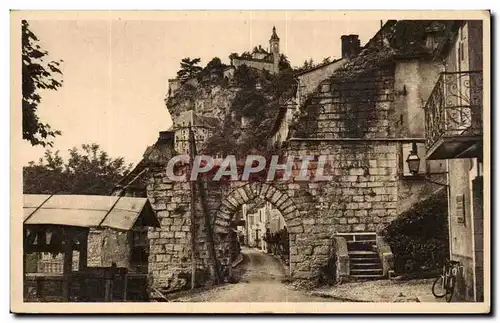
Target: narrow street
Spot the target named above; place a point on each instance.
(261, 280)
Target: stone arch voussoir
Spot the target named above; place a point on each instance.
(249, 191)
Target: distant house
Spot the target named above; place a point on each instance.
(202, 127)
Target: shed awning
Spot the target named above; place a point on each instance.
(90, 211)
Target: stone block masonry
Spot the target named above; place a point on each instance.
(363, 193)
(170, 245)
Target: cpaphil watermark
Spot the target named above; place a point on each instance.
(253, 167)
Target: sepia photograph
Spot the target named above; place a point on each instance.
(250, 161)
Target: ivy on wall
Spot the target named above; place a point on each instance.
(419, 236)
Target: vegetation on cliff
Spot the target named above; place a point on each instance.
(254, 110)
(254, 106)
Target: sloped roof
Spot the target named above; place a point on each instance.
(396, 39)
(88, 211)
(317, 67)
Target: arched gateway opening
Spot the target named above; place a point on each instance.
(258, 194)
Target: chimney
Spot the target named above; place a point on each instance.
(350, 45)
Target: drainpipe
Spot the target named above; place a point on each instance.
(448, 189)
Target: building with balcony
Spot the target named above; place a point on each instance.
(454, 134)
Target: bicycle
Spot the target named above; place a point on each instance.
(444, 285)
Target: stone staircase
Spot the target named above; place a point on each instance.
(363, 257)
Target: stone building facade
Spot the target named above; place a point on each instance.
(455, 137)
(202, 127)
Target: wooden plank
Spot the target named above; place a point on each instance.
(67, 264)
(82, 264)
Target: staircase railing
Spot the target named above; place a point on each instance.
(342, 258)
(386, 257)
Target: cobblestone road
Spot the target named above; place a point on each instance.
(260, 281)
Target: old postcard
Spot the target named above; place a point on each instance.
(250, 161)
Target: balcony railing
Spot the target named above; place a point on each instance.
(453, 111)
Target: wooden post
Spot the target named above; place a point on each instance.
(193, 209)
(67, 264)
(125, 285)
(109, 287)
(25, 289)
(208, 224)
(82, 264)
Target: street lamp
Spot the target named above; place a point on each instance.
(413, 160)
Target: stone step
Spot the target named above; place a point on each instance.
(361, 265)
(362, 254)
(371, 242)
(366, 271)
(360, 246)
(364, 259)
(367, 276)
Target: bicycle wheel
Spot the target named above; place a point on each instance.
(438, 289)
(450, 289)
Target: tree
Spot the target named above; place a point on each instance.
(37, 74)
(245, 77)
(233, 56)
(89, 171)
(189, 69)
(246, 55)
(215, 67)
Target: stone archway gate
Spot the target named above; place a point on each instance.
(170, 247)
(362, 197)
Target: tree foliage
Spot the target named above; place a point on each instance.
(37, 74)
(246, 55)
(87, 171)
(189, 69)
(212, 73)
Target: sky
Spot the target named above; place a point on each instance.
(116, 70)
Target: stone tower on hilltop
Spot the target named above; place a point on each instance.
(274, 47)
(261, 59)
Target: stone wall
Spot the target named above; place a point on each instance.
(309, 81)
(260, 65)
(360, 107)
(363, 194)
(170, 264)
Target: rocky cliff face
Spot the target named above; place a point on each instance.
(210, 101)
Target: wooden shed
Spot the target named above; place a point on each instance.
(61, 224)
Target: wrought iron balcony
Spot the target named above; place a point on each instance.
(453, 116)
